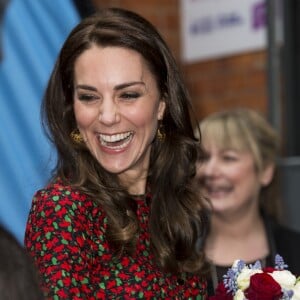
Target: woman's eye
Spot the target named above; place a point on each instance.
(205, 158)
(229, 158)
(130, 95)
(86, 97)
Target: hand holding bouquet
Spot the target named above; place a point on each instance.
(252, 282)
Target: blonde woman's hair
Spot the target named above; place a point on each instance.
(245, 129)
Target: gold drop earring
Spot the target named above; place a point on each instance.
(161, 135)
(76, 136)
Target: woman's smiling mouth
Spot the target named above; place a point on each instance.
(116, 141)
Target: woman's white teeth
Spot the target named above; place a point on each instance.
(116, 141)
(218, 189)
(114, 138)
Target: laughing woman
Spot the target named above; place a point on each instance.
(121, 217)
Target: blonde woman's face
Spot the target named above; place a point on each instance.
(229, 179)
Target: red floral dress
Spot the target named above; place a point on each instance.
(65, 235)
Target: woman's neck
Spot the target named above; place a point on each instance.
(242, 238)
(134, 182)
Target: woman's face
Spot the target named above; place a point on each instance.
(117, 106)
(230, 180)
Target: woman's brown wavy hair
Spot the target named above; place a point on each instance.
(178, 220)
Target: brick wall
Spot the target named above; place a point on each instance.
(214, 85)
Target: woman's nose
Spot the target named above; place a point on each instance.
(211, 167)
(109, 112)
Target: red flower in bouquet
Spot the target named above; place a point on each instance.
(263, 287)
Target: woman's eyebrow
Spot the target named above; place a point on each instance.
(116, 88)
(85, 87)
(128, 84)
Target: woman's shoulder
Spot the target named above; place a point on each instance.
(59, 196)
(58, 190)
(283, 231)
(280, 231)
(286, 234)
(60, 206)
(287, 244)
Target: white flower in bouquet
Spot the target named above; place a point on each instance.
(239, 295)
(243, 279)
(296, 290)
(285, 278)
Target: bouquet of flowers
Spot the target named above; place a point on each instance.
(252, 282)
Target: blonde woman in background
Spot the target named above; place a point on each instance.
(239, 176)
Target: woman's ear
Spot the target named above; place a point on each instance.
(161, 109)
(267, 174)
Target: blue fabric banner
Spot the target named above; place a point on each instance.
(33, 33)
